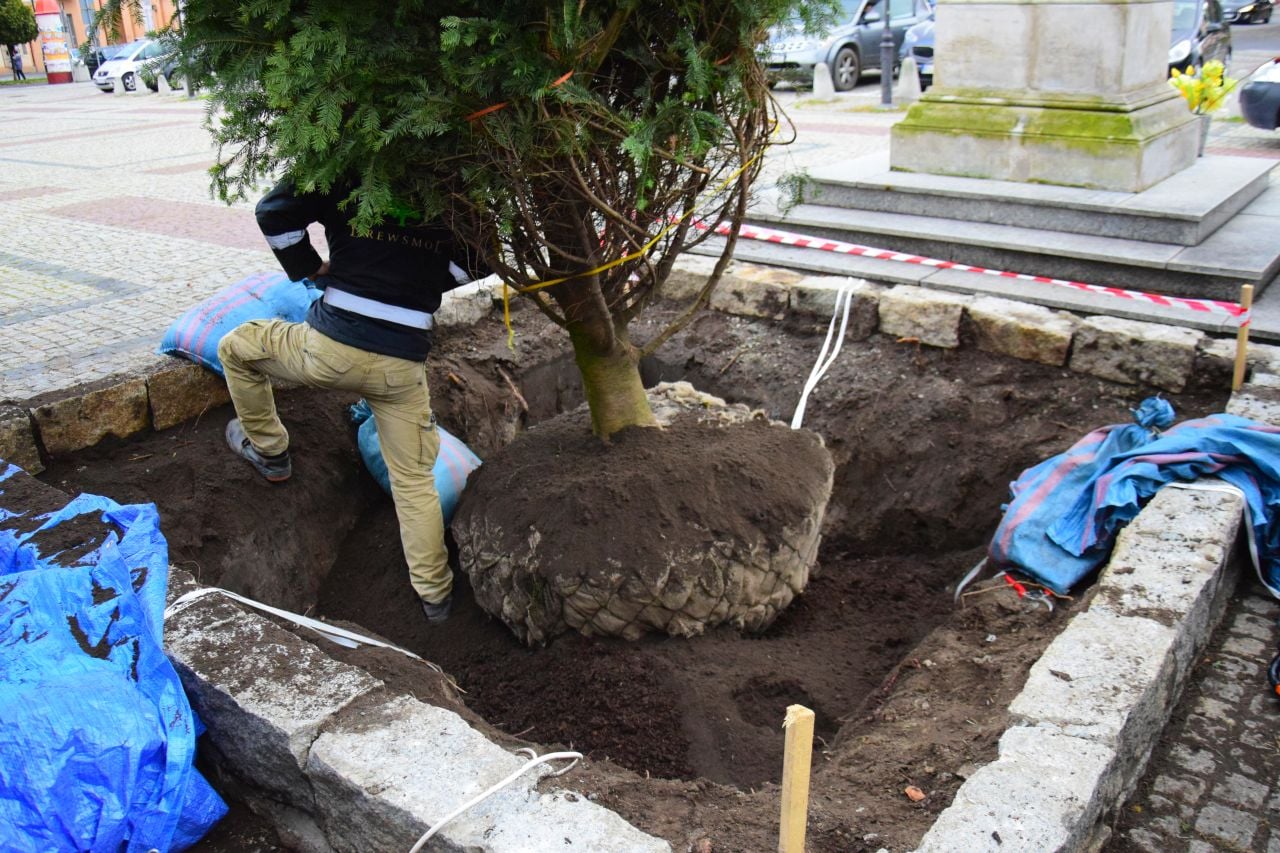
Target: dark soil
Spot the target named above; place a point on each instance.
(684, 735)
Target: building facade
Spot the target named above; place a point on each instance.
(77, 17)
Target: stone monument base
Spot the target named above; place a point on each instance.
(1074, 143)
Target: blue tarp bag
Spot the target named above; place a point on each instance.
(454, 463)
(263, 296)
(1066, 511)
(97, 737)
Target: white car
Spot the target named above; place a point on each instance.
(125, 67)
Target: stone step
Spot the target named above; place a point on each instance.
(1183, 209)
(1243, 251)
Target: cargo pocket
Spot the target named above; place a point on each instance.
(428, 440)
(325, 365)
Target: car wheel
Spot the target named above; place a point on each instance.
(174, 79)
(846, 70)
(129, 81)
(1267, 19)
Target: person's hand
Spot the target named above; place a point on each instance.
(324, 270)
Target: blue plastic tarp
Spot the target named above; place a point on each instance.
(97, 737)
(454, 463)
(1066, 511)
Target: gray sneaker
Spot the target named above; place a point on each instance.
(437, 613)
(275, 468)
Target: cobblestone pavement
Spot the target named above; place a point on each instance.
(1214, 779)
(110, 233)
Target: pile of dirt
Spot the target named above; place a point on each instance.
(684, 734)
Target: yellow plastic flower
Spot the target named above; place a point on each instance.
(1205, 89)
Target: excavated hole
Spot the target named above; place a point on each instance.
(709, 707)
(925, 443)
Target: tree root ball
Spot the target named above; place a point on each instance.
(712, 519)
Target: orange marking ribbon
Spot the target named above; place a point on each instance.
(493, 108)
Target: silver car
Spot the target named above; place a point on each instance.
(848, 48)
(124, 67)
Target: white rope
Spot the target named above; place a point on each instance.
(341, 636)
(1248, 522)
(972, 573)
(844, 298)
(550, 756)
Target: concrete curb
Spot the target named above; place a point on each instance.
(357, 765)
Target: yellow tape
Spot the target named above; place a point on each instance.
(638, 253)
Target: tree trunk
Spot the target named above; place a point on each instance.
(611, 383)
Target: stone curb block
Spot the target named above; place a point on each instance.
(384, 775)
(1096, 701)
(930, 316)
(755, 291)
(467, 305)
(374, 769)
(179, 390)
(1039, 795)
(262, 716)
(1019, 330)
(82, 421)
(815, 296)
(688, 275)
(18, 440)
(1135, 352)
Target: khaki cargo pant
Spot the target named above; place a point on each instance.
(401, 402)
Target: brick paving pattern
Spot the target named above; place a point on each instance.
(109, 231)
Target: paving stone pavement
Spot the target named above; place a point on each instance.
(110, 232)
(1213, 782)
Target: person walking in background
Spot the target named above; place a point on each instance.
(15, 59)
(370, 333)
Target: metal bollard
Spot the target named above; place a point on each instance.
(886, 64)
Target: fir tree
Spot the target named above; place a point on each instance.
(585, 144)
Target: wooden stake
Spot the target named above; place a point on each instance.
(1242, 337)
(796, 759)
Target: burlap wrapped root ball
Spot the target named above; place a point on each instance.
(713, 519)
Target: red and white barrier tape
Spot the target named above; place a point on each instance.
(786, 238)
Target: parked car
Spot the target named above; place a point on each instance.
(1260, 97)
(1200, 34)
(125, 66)
(848, 48)
(1247, 11)
(96, 57)
(918, 44)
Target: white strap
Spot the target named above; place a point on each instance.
(341, 636)
(377, 310)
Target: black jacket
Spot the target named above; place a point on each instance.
(400, 265)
